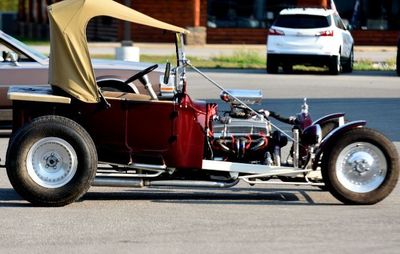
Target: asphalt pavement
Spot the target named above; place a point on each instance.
(243, 219)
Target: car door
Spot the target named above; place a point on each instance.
(24, 71)
(347, 40)
(150, 125)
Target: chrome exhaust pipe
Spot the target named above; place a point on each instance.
(138, 183)
(192, 184)
(107, 181)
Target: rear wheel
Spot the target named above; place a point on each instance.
(272, 66)
(51, 161)
(335, 66)
(287, 68)
(398, 60)
(361, 167)
(348, 66)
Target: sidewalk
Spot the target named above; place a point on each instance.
(373, 53)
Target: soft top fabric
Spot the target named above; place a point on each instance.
(70, 67)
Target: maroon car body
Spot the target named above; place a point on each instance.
(31, 67)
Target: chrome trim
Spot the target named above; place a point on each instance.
(128, 175)
(138, 183)
(180, 183)
(118, 182)
(260, 116)
(361, 167)
(296, 148)
(51, 162)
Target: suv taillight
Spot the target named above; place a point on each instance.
(326, 33)
(275, 32)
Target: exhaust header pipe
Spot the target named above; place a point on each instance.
(138, 183)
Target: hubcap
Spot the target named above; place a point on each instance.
(52, 162)
(361, 167)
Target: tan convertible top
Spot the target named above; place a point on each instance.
(70, 66)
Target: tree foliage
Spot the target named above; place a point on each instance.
(8, 5)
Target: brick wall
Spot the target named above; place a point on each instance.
(176, 12)
(313, 3)
(258, 36)
(236, 35)
(375, 37)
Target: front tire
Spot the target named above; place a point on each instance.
(51, 161)
(361, 167)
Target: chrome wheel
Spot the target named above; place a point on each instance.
(52, 162)
(361, 167)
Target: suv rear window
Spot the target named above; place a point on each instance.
(302, 21)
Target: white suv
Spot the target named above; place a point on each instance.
(309, 36)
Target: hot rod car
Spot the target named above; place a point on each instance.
(71, 135)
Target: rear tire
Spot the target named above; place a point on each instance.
(398, 60)
(51, 161)
(361, 167)
(335, 65)
(272, 66)
(287, 68)
(348, 66)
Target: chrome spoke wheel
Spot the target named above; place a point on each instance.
(51, 162)
(361, 167)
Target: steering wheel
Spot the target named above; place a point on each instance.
(141, 73)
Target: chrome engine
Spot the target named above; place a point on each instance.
(240, 135)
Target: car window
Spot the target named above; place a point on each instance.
(302, 21)
(5, 54)
(338, 22)
(23, 47)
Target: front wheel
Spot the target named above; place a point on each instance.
(51, 161)
(361, 167)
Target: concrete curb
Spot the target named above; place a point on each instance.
(373, 53)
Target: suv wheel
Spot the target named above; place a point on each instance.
(348, 66)
(398, 60)
(272, 67)
(334, 65)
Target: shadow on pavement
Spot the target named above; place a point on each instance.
(239, 196)
(10, 198)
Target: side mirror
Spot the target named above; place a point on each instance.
(167, 73)
(349, 27)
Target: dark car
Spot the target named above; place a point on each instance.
(23, 65)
